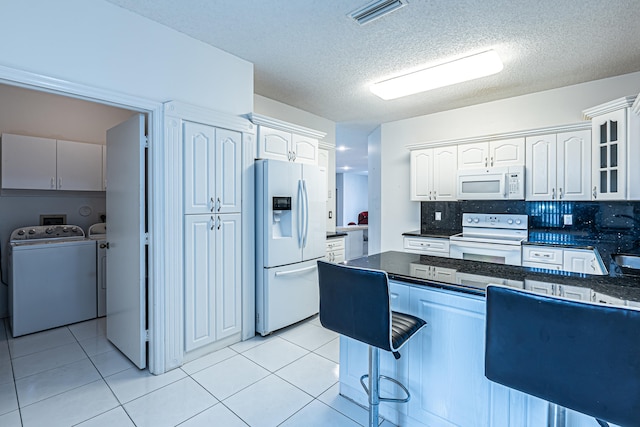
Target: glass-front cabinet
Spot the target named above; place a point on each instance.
(615, 128)
(608, 153)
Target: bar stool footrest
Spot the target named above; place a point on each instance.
(387, 399)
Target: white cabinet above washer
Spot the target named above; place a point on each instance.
(33, 163)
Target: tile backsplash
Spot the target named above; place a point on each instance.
(591, 221)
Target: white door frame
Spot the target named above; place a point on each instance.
(159, 221)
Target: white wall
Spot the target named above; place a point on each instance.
(353, 194)
(553, 107)
(278, 110)
(374, 155)
(101, 45)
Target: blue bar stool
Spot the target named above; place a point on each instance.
(578, 355)
(355, 302)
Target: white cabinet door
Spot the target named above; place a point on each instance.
(473, 156)
(79, 166)
(609, 146)
(540, 174)
(304, 149)
(445, 160)
(575, 292)
(199, 284)
(507, 152)
(228, 280)
(199, 173)
(421, 174)
(274, 144)
(581, 261)
(446, 361)
(228, 158)
(28, 162)
(574, 165)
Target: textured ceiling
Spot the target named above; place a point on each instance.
(310, 55)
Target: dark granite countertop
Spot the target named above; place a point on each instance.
(431, 233)
(473, 277)
(332, 234)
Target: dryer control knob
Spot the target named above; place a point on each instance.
(49, 230)
(476, 220)
(518, 222)
(509, 221)
(32, 231)
(21, 233)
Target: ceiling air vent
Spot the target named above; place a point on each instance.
(375, 10)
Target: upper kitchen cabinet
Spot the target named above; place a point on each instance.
(495, 153)
(284, 141)
(79, 166)
(433, 173)
(28, 162)
(212, 169)
(615, 130)
(558, 166)
(32, 163)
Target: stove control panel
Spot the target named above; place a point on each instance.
(508, 221)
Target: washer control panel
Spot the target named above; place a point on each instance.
(48, 232)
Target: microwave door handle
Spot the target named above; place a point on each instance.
(505, 183)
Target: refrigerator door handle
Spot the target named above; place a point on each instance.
(306, 214)
(300, 214)
(298, 271)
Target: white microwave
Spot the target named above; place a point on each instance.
(502, 183)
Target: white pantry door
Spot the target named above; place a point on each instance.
(126, 293)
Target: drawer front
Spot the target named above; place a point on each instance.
(541, 254)
(424, 245)
(335, 244)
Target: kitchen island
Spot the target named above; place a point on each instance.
(443, 366)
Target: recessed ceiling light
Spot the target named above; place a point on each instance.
(346, 168)
(342, 148)
(461, 70)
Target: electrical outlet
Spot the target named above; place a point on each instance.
(438, 216)
(567, 219)
(330, 214)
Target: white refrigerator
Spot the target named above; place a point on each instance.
(290, 238)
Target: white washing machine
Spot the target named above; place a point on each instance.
(52, 278)
(98, 232)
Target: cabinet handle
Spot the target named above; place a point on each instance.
(553, 193)
(595, 193)
(486, 162)
(491, 160)
(219, 222)
(60, 182)
(593, 264)
(435, 193)
(559, 193)
(53, 183)
(293, 153)
(429, 195)
(213, 222)
(219, 204)
(212, 204)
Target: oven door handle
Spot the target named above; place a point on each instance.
(486, 246)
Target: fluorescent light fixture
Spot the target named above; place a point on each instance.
(468, 68)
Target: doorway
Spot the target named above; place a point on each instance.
(73, 115)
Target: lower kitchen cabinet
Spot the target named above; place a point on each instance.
(212, 278)
(433, 246)
(335, 249)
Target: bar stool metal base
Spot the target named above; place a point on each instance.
(373, 390)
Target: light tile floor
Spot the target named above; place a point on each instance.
(73, 376)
